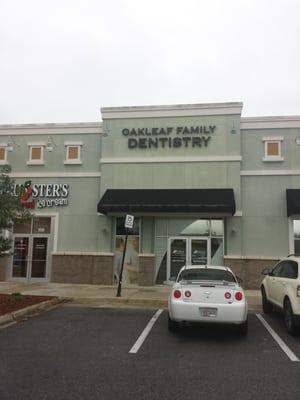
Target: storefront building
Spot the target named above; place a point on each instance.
(204, 185)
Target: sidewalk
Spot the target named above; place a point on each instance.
(105, 296)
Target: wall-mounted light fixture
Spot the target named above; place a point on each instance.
(50, 144)
(11, 144)
(106, 128)
(233, 130)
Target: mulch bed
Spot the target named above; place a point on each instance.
(10, 303)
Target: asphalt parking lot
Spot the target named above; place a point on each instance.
(81, 353)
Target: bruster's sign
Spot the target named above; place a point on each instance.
(169, 137)
(42, 195)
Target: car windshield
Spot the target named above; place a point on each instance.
(206, 274)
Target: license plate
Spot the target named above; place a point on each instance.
(208, 312)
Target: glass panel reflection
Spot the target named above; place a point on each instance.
(41, 225)
(199, 252)
(177, 255)
(39, 257)
(20, 257)
(297, 237)
(121, 230)
(217, 253)
(217, 227)
(198, 227)
(24, 227)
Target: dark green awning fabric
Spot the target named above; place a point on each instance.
(160, 201)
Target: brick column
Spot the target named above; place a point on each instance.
(146, 269)
(249, 269)
(84, 268)
(4, 260)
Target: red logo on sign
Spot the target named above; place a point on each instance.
(26, 195)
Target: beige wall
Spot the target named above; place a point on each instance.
(249, 270)
(84, 269)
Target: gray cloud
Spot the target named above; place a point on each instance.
(62, 60)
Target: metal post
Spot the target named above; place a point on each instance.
(122, 266)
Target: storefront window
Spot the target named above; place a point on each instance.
(217, 227)
(297, 237)
(200, 227)
(211, 233)
(217, 251)
(121, 230)
(36, 225)
(41, 225)
(23, 228)
(161, 227)
(130, 270)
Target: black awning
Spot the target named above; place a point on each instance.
(159, 201)
(293, 202)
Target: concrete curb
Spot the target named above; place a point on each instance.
(125, 302)
(27, 311)
(115, 302)
(6, 319)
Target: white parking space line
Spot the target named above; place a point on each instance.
(135, 348)
(279, 341)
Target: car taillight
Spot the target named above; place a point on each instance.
(227, 295)
(298, 291)
(187, 293)
(177, 294)
(238, 296)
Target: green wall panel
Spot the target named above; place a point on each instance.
(265, 236)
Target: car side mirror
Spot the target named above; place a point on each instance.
(266, 271)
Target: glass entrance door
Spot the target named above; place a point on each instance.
(186, 251)
(39, 257)
(198, 251)
(177, 255)
(30, 257)
(20, 257)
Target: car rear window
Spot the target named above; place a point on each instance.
(206, 274)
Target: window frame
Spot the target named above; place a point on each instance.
(272, 139)
(293, 237)
(4, 147)
(41, 160)
(78, 160)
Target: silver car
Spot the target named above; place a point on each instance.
(209, 294)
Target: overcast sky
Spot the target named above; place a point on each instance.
(61, 60)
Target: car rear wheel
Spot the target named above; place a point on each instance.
(243, 328)
(267, 306)
(289, 320)
(173, 326)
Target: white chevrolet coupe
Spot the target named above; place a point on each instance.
(207, 294)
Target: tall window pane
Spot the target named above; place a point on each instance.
(297, 237)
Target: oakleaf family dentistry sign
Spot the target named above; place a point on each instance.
(42, 195)
(169, 137)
